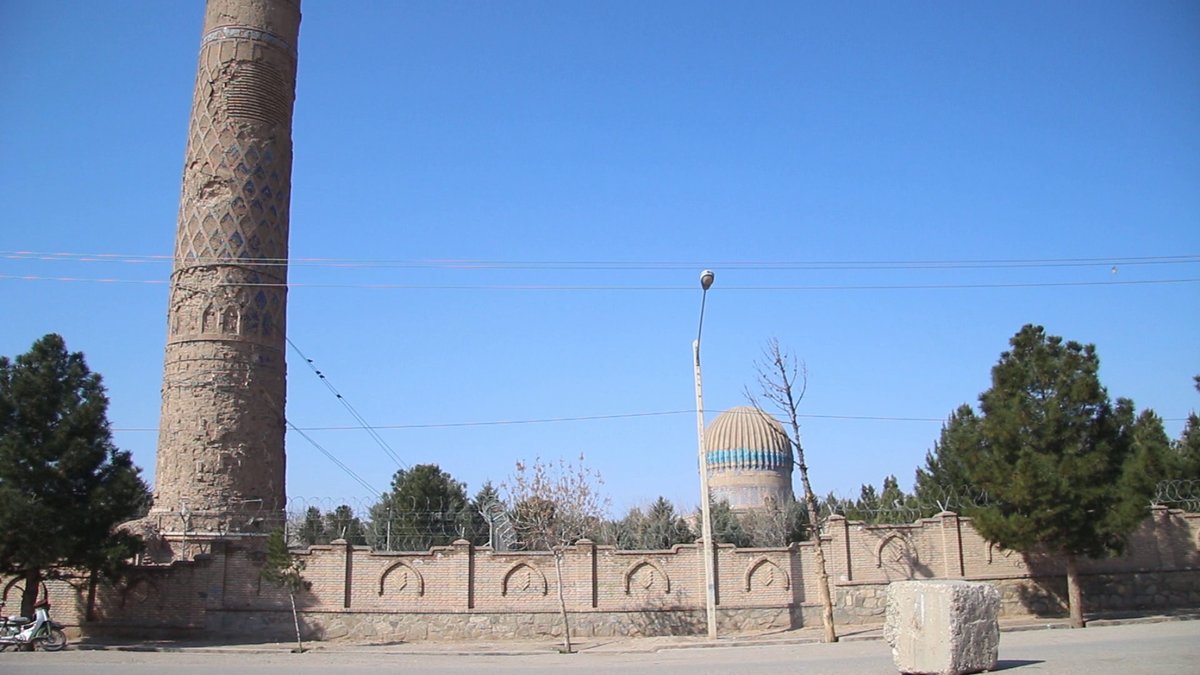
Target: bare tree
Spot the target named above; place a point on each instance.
(775, 523)
(554, 506)
(782, 381)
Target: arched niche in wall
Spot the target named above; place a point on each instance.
(523, 579)
(645, 574)
(229, 320)
(768, 573)
(1005, 553)
(139, 591)
(15, 588)
(895, 551)
(404, 577)
(208, 319)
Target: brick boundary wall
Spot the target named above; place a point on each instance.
(464, 592)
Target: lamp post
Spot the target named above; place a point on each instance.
(710, 592)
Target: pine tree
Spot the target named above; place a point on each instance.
(287, 572)
(888, 505)
(944, 483)
(1052, 455)
(726, 525)
(1150, 459)
(1187, 450)
(424, 508)
(484, 507)
(64, 486)
(341, 523)
(1187, 447)
(312, 530)
(659, 528)
(665, 527)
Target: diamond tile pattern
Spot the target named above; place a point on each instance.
(224, 379)
(234, 203)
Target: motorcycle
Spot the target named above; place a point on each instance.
(38, 633)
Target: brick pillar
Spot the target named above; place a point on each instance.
(348, 572)
(587, 547)
(839, 547)
(952, 553)
(1169, 554)
(220, 465)
(465, 551)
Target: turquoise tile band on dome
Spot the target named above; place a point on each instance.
(749, 459)
(754, 459)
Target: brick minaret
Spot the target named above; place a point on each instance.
(220, 445)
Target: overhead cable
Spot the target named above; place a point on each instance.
(637, 288)
(592, 265)
(333, 459)
(363, 425)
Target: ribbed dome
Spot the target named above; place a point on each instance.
(746, 428)
(749, 459)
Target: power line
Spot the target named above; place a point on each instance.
(492, 423)
(333, 459)
(584, 418)
(635, 288)
(363, 425)
(592, 265)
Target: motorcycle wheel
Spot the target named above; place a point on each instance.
(54, 641)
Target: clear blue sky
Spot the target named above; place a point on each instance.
(773, 142)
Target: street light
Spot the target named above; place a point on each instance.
(710, 593)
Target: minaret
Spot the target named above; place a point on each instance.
(220, 466)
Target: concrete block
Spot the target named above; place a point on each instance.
(943, 627)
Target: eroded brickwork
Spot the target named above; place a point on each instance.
(221, 435)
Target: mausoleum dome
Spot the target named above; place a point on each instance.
(746, 428)
(749, 458)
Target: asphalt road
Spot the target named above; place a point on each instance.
(1159, 648)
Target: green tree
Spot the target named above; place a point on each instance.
(892, 496)
(888, 505)
(341, 523)
(312, 530)
(834, 504)
(1187, 447)
(659, 527)
(286, 571)
(424, 508)
(64, 486)
(945, 484)
(1150, 459)
(727, 525)
(1052, 455)
(486, 516)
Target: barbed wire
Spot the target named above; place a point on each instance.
(1179, 494)
(416, 524)
(905, 508)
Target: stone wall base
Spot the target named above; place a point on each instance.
(417, 627)
(1047, 596)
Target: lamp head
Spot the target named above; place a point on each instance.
(706, 279)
